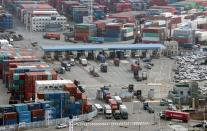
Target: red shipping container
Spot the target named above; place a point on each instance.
(30, 79)
(71, 88)
(10, 116)
(78, 95)
(159, 2)
(38, 113)
(183, 40)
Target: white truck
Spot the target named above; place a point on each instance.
(117, 99)
(123, 111)
(107, 111)
(83, 61)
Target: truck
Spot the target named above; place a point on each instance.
(83, 61)
(118, 100)
(107, 111)
(51, 35)
(66, 65)
(113, 104)
(144, 75)
(147, 107)
(124, 111)
(117, 114)
(168, 114)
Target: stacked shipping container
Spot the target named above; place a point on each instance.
(184, 37)
(84, 31)
(153, 35)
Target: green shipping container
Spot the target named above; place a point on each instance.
(151, 34)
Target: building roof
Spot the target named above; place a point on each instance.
(93, 47)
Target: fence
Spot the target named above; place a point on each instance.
(47, 123)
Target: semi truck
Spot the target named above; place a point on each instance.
(107, 111)
(117, 114)
(168, 114)
(123, 111)
(113, 104)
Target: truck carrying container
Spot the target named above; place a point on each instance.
(168, 114)
(117, 99)
(124, 111)
(113, 104)
(107, 111)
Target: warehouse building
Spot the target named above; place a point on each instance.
(92, 51)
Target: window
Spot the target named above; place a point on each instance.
(189, 93)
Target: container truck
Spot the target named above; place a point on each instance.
(113, 104)
(117, 99)
(167, 114)
(66, 65)
(107, 111)
(123, 111)
(117, 114)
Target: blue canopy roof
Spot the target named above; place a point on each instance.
(93, 47)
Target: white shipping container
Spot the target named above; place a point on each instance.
(129, 34)
(151, 38)
(51, 84)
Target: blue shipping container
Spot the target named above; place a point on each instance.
(7, 108)
(33, 106)
(45, 104)
(21, 107)
(24, 116)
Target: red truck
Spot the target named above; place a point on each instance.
(52, 35)
(168, 114)
(113, 104)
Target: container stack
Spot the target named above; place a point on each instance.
(138, 5)
(123, 7)
(68, 8)
(31, 77)
(20, 68)
(6, 21)
(100, 25)
(153, 35)
(84, 31)
(24, 115)
(184, 37)
(78, 12)
(127, 33)
(8, 115)
(113, 32)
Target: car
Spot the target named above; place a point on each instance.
(88, 119)
(61, 126)
(148, 66)
(146, 59)
(150, 110)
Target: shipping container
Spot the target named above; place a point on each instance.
(24, 117)
(33, 106)
(7, 108)
(21, 107)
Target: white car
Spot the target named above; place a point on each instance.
(61, 126)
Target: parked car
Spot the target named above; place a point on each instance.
(61, 126)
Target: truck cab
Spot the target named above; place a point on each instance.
(66, 65)
(145, 105)
(83, 61)
(107, 111)
(117, 114)
(124, 111)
